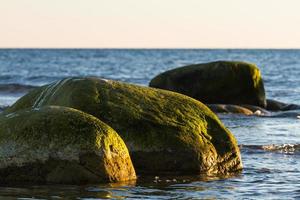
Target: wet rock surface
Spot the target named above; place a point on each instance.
(55, 144)
(165, 132)
(221, 82)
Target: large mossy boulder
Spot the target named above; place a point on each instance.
(165, 132)
(60, 145)
(221, 82)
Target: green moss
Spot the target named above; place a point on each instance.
(221, 82)
(178, 132)
(35, 138)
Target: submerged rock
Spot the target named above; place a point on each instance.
(224, 108)
(238, 109)
(274, 105)
(60, 145)
(165, 132)
(256, 109)
(294, 114)
(221, 82)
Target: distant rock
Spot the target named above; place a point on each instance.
(165, 132)
(221, 82)
(274, 105)
(15, 88)
(257, 110)
(294, 114)
(60, 145)
(236, 109)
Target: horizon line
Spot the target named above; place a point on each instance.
(162, 48)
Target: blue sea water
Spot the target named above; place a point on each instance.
(270, 146)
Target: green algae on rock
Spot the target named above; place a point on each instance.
(165, 132)
(221, 82)
(61, 145)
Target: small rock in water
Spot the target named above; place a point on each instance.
(258, 112)
(298, 117)
(156, 179)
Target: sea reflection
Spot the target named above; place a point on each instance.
(150, 187)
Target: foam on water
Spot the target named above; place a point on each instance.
(277, 148)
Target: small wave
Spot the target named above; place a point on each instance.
(280, 148)
(15, 88)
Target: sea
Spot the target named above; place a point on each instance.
(270, 146)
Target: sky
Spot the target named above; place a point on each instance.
(149, 24)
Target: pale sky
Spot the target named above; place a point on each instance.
(150, 23)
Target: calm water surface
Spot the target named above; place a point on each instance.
(270, 146)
